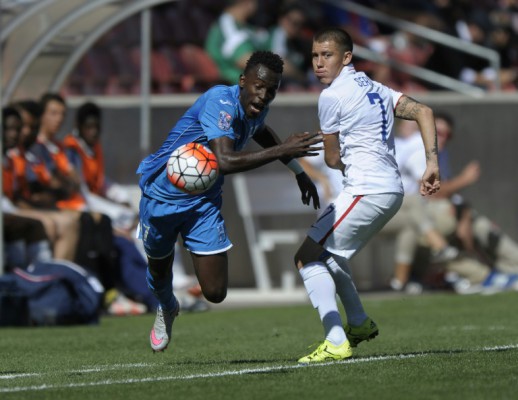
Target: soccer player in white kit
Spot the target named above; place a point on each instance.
(356, 117)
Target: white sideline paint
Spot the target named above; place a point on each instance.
(245, 371)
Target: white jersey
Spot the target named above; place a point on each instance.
(411, 160)
(362, 111)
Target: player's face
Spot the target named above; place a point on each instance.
(258, 89)
(90, 130)
(52, 117)
(328, 61)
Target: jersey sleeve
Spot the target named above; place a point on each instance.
(395, 96)
(329, 113)
(217, 117)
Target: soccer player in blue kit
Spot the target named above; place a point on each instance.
(356, 117)
(224, 118)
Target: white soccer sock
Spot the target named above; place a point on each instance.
(322, 293)
(346, 290)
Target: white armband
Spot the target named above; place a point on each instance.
(295, 167)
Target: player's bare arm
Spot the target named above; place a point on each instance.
(231, 161)
(332, 152)
(408, 108)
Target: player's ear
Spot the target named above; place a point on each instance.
(348, 56)
(242, 81)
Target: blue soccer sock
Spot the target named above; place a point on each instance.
(346, 290)
(163, 291)
(322, 293)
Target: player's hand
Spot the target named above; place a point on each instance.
(303, 144)
(431, 181)
(308, 190)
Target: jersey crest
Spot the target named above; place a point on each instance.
(224, 120)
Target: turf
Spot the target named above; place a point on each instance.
(440, 346)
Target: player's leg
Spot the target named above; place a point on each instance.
(205, 237)
(160, 282)
(158, 229)
(159, 278)
(343, 233)
(321, 290)
(212, 273)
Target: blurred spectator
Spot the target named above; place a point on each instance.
(24, 238)
(230, 41)
(84, 150)
(64, 180)
(287, 39)
(488, 258)
(95, 249)
(61, 227)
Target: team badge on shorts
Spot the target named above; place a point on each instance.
(224, 120)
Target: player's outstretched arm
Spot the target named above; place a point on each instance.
(231, 161)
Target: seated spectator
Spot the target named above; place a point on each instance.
(84, 150)
(476, 235)
(54, 184)
(287, 39)
(61, 227)
(230, 41)
(485, 252)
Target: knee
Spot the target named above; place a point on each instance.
(215, 294)
(309, 251)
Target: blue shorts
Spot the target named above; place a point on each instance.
(202, 227)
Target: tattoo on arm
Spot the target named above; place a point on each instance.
(433, 153)
(407, 108)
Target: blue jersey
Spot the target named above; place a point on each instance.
(215, 114)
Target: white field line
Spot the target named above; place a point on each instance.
(245, 371)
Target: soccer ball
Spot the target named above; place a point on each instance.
(192, 168)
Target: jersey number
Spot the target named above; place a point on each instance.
(372, 98)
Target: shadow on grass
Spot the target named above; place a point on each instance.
(292, 361)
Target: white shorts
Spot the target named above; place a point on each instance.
(348, 223)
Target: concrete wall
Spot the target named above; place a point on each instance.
(486, 130)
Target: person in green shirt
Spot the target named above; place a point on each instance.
(230, 40)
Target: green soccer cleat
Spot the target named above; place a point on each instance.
(328, 352)
(366, 331)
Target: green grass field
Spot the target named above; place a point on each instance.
(440, 346)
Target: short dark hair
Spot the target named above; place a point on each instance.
(337, 35)
(48, 97)
(270, 60)
(9, 111)
(86, 110)
(29, 105)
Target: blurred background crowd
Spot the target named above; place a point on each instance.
(186, 56)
